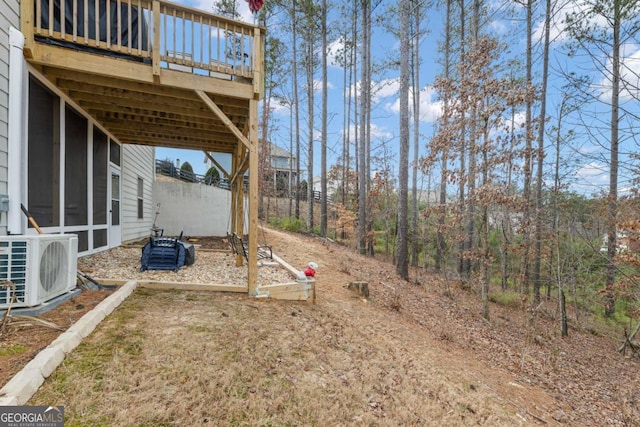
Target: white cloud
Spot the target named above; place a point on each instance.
(317, 85)
(379, 90)
(629, 74)
(380, 132)
(279, 108)
(204, 5)
(430, 110)
(377, 132)
(209, 6)
(588, 149)
(498, 27)
(591, 178)
(384, 89)
(519, 119)
(335, 49)
(558, 31)
(593, 173)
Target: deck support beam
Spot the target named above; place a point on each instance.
(237, 200)
(223, 117)
(215, 162)
(253, 198)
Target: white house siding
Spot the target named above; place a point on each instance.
(137, 162)
(9, 17)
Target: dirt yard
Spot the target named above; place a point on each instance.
(412, 354)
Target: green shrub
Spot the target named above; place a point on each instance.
(186, 166)
(290, 224)
(507, 299)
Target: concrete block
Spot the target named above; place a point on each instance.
(47, 360)
(89, 321)
(114, 300)
(67, 341)
(23, 385)
(8, 401)
(85, 325)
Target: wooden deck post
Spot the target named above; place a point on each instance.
(27, 22)
(155, 53)
(253, 198)
(258, 66)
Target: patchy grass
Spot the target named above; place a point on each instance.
(293, 225)
(13, 349)
(187, 358)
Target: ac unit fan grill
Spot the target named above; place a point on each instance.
(53, 265)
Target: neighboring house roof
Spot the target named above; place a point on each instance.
(279, 152)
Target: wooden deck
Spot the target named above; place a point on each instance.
(160, 74)
(194, 91)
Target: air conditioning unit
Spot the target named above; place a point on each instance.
(41, 267)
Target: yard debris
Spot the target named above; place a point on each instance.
(9, 285)
(31, 321)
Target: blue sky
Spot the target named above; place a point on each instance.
(589, 171)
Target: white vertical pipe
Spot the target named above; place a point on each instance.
(16, 169)
(90, 128)
(62, 165)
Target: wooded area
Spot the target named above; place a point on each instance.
(491, 196)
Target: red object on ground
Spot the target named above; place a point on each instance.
(309, 272)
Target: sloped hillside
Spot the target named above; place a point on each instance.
(578, 380)
(412, 354)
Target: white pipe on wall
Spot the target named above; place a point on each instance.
(17, 132)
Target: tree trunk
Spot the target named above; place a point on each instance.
(416, 138)
(610, 306)
(310, 63)
(463, 148)
(470, 231)
(442, 210)
(323, 146)
(486, 278)
(294, 82)
(537, 280)
(364, 102)
(528, 155)
(403, 167)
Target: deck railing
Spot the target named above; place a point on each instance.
(158, 32)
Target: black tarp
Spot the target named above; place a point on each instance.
(137, 20)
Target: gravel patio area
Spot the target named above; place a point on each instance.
(210, 267)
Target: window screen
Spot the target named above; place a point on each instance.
(100, 176)
(75, 177)
(83, 240)
(115, 198)
(44, 155)
(140, 198)
(99, 238)
(115, 153)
